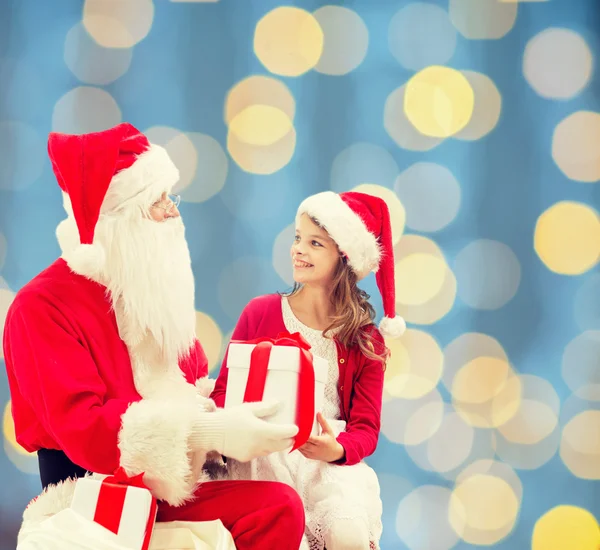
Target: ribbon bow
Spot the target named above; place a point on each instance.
(111, 502)
(257, 377)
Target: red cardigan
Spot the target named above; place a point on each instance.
(360, 384)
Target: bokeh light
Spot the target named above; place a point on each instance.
(345, 40)
(401, 129)
(92, 63)
(557, 63)
(567, 238)
(482, 19)
(288, 41)
(422, 519)
(85, 109)
(412, 421)
(485, 502)
(566, 526)
(439, 101)
(259, 90)
(118, 24)
(282, 261)
(430, 194)
(395, 207)
(532, 436)
(573, 146)
(425, 285)
(24, 461)
(211, 338)
(486, 108)
(486, 392)
(415, 365)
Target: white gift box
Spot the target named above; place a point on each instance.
(281, 383)
(135, 514)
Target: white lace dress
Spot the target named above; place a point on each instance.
(329, 491)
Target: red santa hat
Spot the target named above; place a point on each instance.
(104, 172)
(360, 226)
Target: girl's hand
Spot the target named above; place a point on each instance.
(325, 446)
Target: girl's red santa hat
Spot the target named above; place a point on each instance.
(360, 225)
(113, 172)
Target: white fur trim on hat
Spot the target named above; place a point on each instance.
(152, 174)
(346, 228)
(392, 328)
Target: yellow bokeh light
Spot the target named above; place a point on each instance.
(260, 125)
(565, 527)
(574, 146)
(579, 451)
(397, 211)
(438, 305)
(400, 129)
(262, 160)
(567, 238)
(118, 24)
(419, 278)
(259, 90)
(415, 365)
(211, 338)
(439, 101)
(288, 41)
(486, 392)
(483, 502)
(9, 432)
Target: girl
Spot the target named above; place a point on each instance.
(339, 240)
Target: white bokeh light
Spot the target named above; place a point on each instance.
(281, 254)
(85, 109)
(557, 63)
(92, 63)
(422, 519)
(430, 194)
(345, 40)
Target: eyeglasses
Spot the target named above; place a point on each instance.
(172, 201)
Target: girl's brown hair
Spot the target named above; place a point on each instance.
(354, 315)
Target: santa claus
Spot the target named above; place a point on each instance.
(103, 363)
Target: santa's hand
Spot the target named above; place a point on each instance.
(241, 433)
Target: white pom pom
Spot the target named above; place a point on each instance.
(86, 259)
(392, 328)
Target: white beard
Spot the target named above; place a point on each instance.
(149, 278)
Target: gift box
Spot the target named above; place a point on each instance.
(282, 369)
(120, 504)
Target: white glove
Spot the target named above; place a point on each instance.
(241, 433)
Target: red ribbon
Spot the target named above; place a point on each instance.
(259, 366)
(111, 500)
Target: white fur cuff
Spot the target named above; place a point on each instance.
(154, 439)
